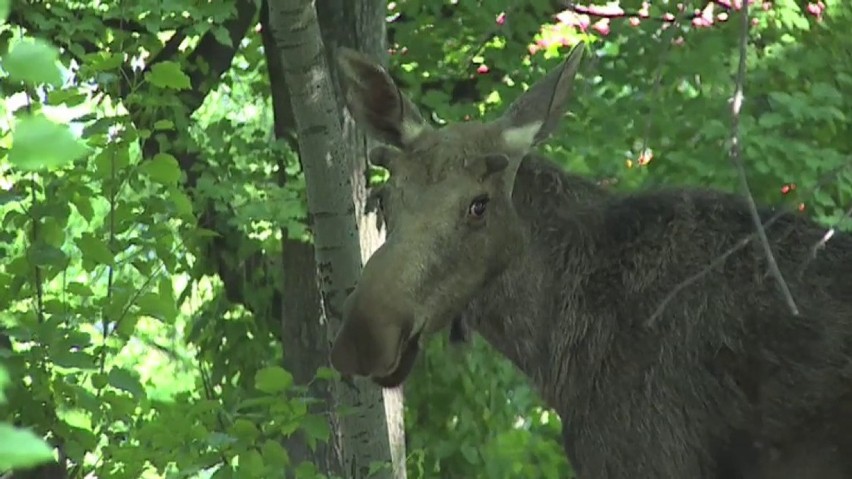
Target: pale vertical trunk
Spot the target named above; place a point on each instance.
(332, 159)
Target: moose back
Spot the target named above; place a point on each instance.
(567, 280)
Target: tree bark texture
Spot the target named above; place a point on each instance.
(333, 160)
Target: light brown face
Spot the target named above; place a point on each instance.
(452, 226)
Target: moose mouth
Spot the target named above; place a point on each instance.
(410, 351)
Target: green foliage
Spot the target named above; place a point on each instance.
(143, 209)
(19, 447)
(34, 61)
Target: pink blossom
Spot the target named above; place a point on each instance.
(816, 9)
(605, 10)
(602, 26)
(482, 69)
(501, 19)
(705, 18)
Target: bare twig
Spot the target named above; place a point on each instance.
(616, 13)
(742, 243)
(735, 153)
(830, 233)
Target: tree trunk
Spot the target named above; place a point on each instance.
(333, 159)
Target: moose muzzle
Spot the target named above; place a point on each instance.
(377, 337)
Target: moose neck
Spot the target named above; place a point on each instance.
(521, 312)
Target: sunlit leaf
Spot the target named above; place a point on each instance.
(95, 250)
(20, 448)
(73, 359)
(38, 143)
(316, 428)
(163, 168)
(33, 61)
(168, 74)
(273, 379)
(157, 306)
(5, 8)
(127, 381)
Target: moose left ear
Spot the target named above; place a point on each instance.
(375, 102)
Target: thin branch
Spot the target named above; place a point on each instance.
(736, 158)
(830, 233)
(824, 179)
(617, 12)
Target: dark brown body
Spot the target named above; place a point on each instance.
(726, 383)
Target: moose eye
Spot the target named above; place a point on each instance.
(477, 208)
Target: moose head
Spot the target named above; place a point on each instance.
(451, 223)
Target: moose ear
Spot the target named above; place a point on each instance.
(375, 102)
(532, 117)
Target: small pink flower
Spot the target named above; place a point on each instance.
(816, 9)
(634, 21)
(501, 19)
(602, 26)
(482, 69)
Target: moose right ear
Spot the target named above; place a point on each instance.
(533, 116)
(375, 102)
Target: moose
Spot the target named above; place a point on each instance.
(565, 278)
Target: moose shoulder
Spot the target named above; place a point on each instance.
(564, 278)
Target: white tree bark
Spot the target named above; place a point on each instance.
(335, 206)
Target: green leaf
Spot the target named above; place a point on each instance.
(326, 373)
(316, 428)
(273, 379)
(5, 8)
(181, 202)
(95, 250)
(223, 36)
(377, 466)
(33, 61)
(157, 306)
(38, 143)
(20, 448)
(244, 429)
(4, 381)
(251, 464)
(469, 453)
(308, 470)
(84, 206)
(169, 75)
(163, 168)
(45, 255)
(164, 125)
(127, 381)
(99, 381)
(73, 359)
(274, 455)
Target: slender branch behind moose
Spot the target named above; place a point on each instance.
(735, 154)
(736, 158)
